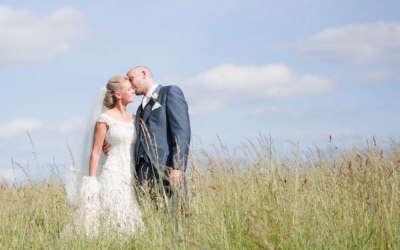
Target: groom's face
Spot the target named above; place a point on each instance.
(136, 80)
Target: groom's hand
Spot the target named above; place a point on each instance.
(106, 148)
(175, 177)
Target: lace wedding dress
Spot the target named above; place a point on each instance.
(110, 204)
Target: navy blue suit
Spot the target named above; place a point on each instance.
(163, 129)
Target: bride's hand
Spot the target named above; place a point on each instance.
(106, 148)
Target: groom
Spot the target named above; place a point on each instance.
(163, 128)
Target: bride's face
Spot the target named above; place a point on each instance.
(126, 92)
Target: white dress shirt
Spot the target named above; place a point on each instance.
(147, 97)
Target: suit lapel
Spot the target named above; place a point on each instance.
(138, 117)
(148, 108)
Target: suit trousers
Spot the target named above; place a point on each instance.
(149, 177)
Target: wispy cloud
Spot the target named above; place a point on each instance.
(71, 125)
(358, 43)
(28, 38)
(379, 75)
(18, 126)
(228, 83)
(7, 175)
(21, 126)
(205, 106)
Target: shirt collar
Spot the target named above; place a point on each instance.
(151, 90)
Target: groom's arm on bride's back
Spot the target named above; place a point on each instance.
(179, 128)
(98, 139)
(106, 148)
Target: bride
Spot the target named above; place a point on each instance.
(108, 203)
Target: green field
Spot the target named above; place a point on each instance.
(314, 199)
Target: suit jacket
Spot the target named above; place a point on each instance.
(163, 129)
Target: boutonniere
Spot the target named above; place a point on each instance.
(154, 97)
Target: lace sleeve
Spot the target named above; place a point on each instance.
(104, 119)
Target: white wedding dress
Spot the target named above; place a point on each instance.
(109, 204)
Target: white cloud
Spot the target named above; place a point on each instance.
(18, 126)
(379, 75)
(7, 175)
(71, 125)
(206, 106)
(360, 43)
(22, 126)
(28, 38)
(228, 83)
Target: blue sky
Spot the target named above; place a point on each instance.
(296, 70)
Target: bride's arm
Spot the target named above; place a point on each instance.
(98, 139)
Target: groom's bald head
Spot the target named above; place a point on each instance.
(142, 68)
(141, 79)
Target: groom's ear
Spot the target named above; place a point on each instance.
(144, 74)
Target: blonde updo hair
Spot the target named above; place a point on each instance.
(113, 85)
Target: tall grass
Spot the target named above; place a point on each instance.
(252, 199)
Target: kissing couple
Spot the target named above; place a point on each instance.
(149, 150)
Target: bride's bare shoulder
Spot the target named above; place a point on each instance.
(108, 112)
